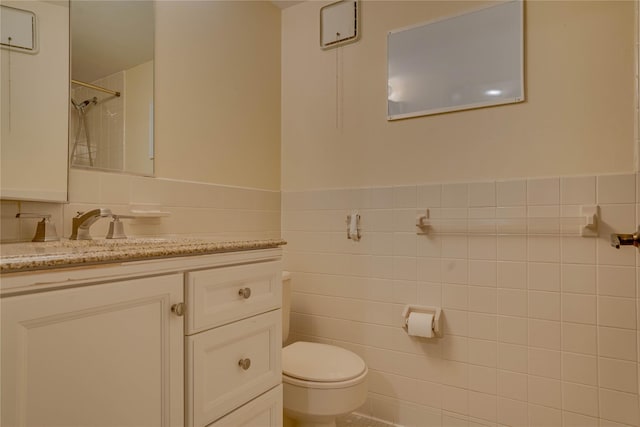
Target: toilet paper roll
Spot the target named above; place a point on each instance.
(420, 324)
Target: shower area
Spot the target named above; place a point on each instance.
(96, 131)
(112, 79)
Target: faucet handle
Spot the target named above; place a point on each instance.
(33, 215)
(45, 230)
(116, 228)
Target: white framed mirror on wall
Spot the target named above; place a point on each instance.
(34, 97)
(471, 60)
(111, 118)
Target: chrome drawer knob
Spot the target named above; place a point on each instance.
(178, 309)
(245, 292)
(244, 363)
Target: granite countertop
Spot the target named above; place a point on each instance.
(17, 257)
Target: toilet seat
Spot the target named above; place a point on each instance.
(307, 362)
(286, 379)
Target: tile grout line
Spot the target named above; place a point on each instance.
(597, 312)
(561, 280)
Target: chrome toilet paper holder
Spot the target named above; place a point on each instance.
(435, 311)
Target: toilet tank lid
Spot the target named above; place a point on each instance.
(320, 362)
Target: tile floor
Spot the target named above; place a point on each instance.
(356, 420)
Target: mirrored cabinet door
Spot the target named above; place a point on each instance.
(34, 100)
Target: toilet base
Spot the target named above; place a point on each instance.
(316, 398)
(318, 404)
(291, 422)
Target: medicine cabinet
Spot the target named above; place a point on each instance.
(34, 108)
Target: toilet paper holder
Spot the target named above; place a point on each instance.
(435, 311)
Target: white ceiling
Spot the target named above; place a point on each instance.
(283, 4)
(109, 36)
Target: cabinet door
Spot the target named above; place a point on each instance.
(35, 108)
(263, 411)
(229, 365)
(102, 355)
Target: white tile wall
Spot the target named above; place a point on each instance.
(539, 330)
(106, 126)
(196, 209)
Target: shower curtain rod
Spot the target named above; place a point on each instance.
(91, 86)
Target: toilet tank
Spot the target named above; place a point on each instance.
(286, 304)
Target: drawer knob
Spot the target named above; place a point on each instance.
(178, 309)
(244, 363)
(245, 292)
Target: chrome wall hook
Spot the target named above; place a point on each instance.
(353, 226)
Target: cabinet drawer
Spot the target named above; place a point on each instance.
(223, 295)
(216, 383)
(263, 411)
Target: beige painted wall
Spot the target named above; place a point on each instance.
(218, 92)
(578, 117)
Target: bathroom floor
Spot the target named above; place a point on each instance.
(355, 420)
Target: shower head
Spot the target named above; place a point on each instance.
(84, 103)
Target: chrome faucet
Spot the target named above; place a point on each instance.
(81, 223)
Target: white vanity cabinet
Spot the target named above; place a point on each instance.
(265, 410)
(234, 342)
(101, 355)
(112, 345)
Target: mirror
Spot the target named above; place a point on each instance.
(34, 110)
(111, 102)
(483, 53)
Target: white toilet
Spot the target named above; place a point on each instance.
(320, 381)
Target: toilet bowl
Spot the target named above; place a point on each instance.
(320, 381)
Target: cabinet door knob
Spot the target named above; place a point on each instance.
(244, 363)
(178, 309)
(245, 292)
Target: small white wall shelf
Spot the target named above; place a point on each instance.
(146, 211)
(146, 214)
(585, 225)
